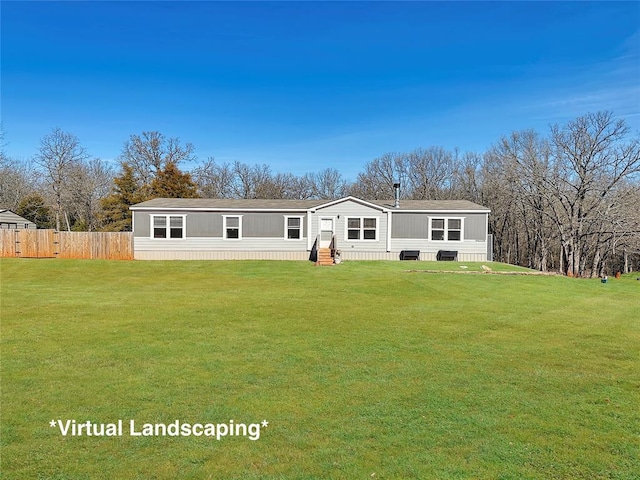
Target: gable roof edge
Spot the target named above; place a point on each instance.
(353, 199)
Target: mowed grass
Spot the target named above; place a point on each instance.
(363, 370)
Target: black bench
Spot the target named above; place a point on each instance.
(447, 255)
(410, 255)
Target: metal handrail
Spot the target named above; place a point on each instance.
(315, 249)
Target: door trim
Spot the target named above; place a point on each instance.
(324, 243)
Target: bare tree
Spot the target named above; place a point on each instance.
(214, 180)
(429, 173)
(327, 184)
(17, 180)
(563, 201)
(302, 188)
(376, 182)
(423, 173)
(250, 181)
(626, 240)
(498, 193)
(59, 154)
(590, 158)
(274, 186)
(613, 234)
(241, 180)
(89, 183)
(3, 144)
(467, 178)
(524, 157)
(151, 152)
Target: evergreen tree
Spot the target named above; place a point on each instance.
(170, 182)
(126, 192)
(34, 207)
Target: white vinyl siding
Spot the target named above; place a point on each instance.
(342, 211)
(216, 244)
(282, 249)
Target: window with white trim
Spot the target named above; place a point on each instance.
(449, 229)
(168, 226)
(293, 228)
(362, 228)
(232, 227)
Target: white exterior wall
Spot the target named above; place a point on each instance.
(219, 249)
(299, 256)
(347, 209)
(468, 250)
(218, 255)
(424, 256)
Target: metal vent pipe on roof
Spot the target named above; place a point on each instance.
(396, 188)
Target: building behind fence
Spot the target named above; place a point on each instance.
(54, 244)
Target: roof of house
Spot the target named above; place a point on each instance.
(7, 216)
(431, 205)
(227, 203)
(291, 205)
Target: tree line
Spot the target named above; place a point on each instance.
(567, 200)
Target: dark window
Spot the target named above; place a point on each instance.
(446, 229)
(165, 226)
(232, 227)
(362, 228)
(437, 229)
(353, 229)
(175, 227)
(293, 227)
(369, 232)
(159, 227)
(455, 229)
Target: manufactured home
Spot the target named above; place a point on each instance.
(349, 228)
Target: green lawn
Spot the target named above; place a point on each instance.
(363, 370)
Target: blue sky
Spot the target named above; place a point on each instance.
(303, 86)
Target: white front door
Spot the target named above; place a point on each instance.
(326, 232)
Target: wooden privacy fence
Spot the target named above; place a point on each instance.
(53, 244)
